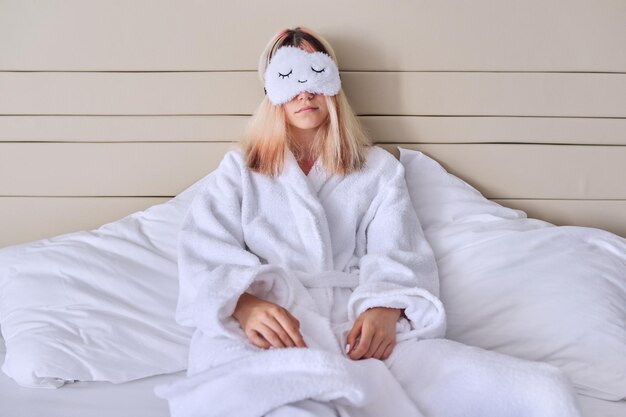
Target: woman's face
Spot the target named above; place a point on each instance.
(306, 111)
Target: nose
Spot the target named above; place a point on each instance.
(305, 94)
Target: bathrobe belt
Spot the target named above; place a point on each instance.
(328, 279)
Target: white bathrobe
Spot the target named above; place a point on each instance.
(325, 247)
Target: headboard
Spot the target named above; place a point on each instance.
(107, 108)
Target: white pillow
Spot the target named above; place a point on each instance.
(96, 305)
(523, 286)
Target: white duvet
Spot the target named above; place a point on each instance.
(523, 286)
(100, 304)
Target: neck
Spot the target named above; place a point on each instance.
(301, 143)
(302, 136)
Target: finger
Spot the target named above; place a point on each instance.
(292, 327)
(378, 341)
(269, 335)
(382, 348)
(258, 340)
(298, 338)
(365, 340)
(354, 333)
(274, 323)
(388, 351)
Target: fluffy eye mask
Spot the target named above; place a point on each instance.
(293, 70)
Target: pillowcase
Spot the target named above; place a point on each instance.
(96, 305)
(522, 286)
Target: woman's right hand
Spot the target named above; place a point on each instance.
(267, 324)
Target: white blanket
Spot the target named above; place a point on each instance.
(327, 248)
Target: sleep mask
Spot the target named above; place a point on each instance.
(293, 70)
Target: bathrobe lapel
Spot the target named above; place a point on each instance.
(308, 211)
(317, 176)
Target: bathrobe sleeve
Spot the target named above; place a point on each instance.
(214, 266)
(399, 268)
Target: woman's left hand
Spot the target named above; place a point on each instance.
(376, 327)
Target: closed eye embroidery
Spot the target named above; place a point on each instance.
(322, 70)
(285, 75)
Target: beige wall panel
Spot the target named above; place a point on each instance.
(129, 93)
(603, 214)
(478, 35)
(403, 129)
(459, 129)
(371, 93)
(533, 171)
(24, 219)
(145, 169)
(494, 94)
(125, 128)
(105, 169)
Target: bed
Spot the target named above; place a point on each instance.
(512, 141)
(96, 399)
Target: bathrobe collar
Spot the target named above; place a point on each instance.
(307, 207)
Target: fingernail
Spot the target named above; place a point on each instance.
(348, 348)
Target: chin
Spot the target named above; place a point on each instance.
(309, 126)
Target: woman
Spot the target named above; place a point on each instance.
(303, 242)
(340, 144)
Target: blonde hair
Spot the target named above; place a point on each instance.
(341, 140)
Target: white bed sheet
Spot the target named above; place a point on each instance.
(83, 399)
(136, 398)
(593, 407)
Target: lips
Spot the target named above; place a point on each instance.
(306, 108)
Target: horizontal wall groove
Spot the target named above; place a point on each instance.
(490, 115)
(358, 115)
(341, 71)
(555, 199)
(117, 141)
(172, 196)
(400, 144)
(529, 143)
(86, 196)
